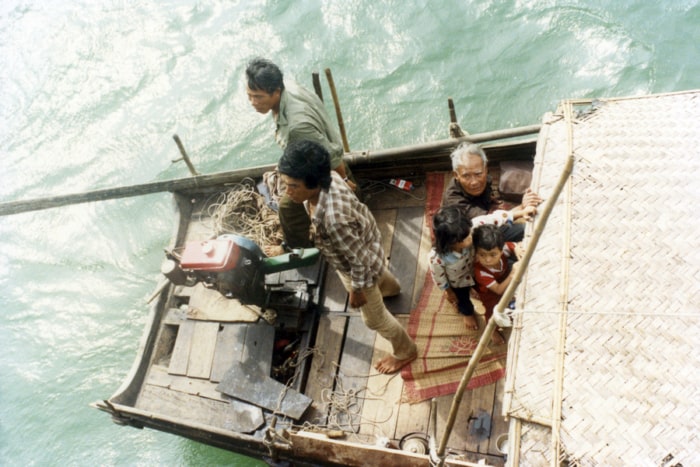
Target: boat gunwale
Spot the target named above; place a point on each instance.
(133, 383)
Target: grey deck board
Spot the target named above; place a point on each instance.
(181, 352)
(225, 415)
(479, 426)
(328, 345)
(246, 381)
(229, 348)
(352, 374)
(259, 341)
(403, 258)
(413, 418)
(380, 410)
(499, 425)
(202, 349)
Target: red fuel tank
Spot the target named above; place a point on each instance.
(210, 255)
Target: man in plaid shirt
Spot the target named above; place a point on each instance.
(345, 231)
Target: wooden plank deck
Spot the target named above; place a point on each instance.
(366, 404)
(380, 413)
(229, 348)
(404, 258)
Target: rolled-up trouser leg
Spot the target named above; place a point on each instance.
(377, 317)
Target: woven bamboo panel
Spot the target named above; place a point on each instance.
(606, 350)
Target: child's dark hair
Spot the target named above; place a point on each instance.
(488, 237)
(450, 225)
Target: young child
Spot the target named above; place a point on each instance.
(494, 268)
(451, 259)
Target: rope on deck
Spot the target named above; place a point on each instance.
(244, 211)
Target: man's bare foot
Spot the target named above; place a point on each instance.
(273, 250)
(470, 322)
(391, 364)
(497, 338)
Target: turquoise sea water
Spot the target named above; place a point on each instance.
(92, 92)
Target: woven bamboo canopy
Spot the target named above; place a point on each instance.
(604, 359)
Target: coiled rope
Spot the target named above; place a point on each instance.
(243, 211)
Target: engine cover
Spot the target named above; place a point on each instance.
(230, 263)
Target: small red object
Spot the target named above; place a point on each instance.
(210, 255)
(401, 183)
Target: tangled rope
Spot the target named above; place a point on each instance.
(243, 211)
(342, 407)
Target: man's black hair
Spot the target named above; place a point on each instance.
(308, 161)
(488, 237)
(263, 75)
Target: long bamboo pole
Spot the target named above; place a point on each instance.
(402, 153)
(563, 301)
(505, 299)
(338, 113)
(200, 181)
(445, 145)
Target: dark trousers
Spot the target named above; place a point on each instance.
(464, 301)
(295, 223)
(513, 232)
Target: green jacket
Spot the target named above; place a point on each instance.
(302, 116)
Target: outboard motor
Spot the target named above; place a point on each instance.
(230, 263)
(233, 265)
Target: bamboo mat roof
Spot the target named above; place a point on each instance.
(604, 359)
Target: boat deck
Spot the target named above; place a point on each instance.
(193, 356)
(377, 410)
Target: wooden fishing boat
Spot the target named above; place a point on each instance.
(602, 363)
(303, 389)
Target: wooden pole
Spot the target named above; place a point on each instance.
(558, 389)
(455, 130)
(185, 157)
(380, 156)
(181, 184)
(317, 85)
(445, 145)
(451, 106)
(338, 113)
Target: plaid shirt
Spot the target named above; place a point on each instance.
(345, 231)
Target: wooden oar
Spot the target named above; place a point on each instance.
(180, 184)
(378, 157)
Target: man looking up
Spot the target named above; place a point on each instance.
(298, 115)
(471, 189)
(345, 231)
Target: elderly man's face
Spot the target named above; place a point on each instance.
(472, 175)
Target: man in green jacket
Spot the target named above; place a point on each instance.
(298, 115)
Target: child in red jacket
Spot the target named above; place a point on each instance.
(494, 268)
